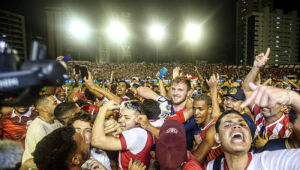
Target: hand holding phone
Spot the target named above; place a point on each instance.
(162, 72)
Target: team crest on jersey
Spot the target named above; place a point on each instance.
(233, 91)
(172, 130)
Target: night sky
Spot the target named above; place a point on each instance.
(217, 16)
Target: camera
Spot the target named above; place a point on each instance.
(20, 82)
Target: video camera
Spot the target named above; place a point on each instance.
(20, 83)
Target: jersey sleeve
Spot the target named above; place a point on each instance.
(165, 107)
(134, 140)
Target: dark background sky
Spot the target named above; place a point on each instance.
(217, 16)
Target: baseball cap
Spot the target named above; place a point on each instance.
(171, 150)
(236, 93)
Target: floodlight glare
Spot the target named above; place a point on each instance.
(192, 32)
(78, 29)
(157, 32)
(117, 31)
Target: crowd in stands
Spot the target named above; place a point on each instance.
(194, 122)
(143, 69)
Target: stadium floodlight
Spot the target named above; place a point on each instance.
(192, 32)
(157, 32)
(117, 32)
(78, 29)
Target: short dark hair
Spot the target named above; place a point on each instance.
(182, 79)
(151, 109)
(127, 85)
(54, 149)
(224, 114)
(204, 97)
(83, 116)
(43, 99)
(64, 108)
(133, 105)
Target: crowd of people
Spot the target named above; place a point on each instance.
(143, 69)
(209, 116)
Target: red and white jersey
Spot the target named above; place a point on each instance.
(215, 151)
(275, 160)
(203, 130)
(277, 129)
(179, 116)
(136, 143)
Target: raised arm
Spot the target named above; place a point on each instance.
(213, 85)
(258, 64)
(199, 75)
(96, 90)
(147, 93)
(111, 80)
(267, 96)
(161, 86)
(99, 137)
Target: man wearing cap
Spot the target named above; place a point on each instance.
(171, 150)
(234, 135)
(270, 123)
(233, 100)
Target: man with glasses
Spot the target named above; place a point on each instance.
(133, 143)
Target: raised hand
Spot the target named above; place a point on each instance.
(176, 71)
(261, 59)
(143, 121)
(89, 81)
(112, 127)
(213, 81)
(111, 105)
(267, 96)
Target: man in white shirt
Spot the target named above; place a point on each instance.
(42, 125)
(233, 134)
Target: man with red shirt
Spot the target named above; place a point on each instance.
(134, 142)
(14, 125)
(180, 90)
(207, 149)
(270, 123)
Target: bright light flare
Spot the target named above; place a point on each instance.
(78, 29)
(157, 32)
(117, 31)
(192, 32)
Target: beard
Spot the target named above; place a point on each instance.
(178, 102)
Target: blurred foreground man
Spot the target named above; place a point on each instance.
(233, 134)
(42, 125)
(62, 149)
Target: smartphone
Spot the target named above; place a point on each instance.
(77, 69)
(162, 72)
(84, 72)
